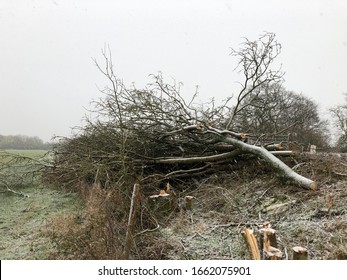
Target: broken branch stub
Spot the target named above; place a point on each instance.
(268, 243)
(251, 242)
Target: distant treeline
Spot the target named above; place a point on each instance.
(22, 142)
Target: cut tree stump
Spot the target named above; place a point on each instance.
(189, 202)
(268, 243)
(300, 253)
(186, 203)
(162, 204)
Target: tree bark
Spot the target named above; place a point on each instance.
(131, 222)
(194, 159)
(251, 242)
(300, 253)
(274, 147)
(268, 243)
(276, 163)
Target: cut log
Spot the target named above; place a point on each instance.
(274, 147)
(240, 147)
(276, 163)
(197, 159)
(251, 242)
(300, 253)
(282, 153)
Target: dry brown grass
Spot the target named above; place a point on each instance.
(98, 231)
(94, 233)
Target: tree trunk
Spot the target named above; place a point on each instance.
(276, 163)
(300, 253)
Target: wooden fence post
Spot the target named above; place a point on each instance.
(131, 222)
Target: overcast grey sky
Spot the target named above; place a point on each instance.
(47, 74)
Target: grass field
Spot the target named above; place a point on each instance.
(17, 167)
(23, 218)
(26, 153)
(8, 155)
(23, 221)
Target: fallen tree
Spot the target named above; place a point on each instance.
(275, 163)
(155, 134)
